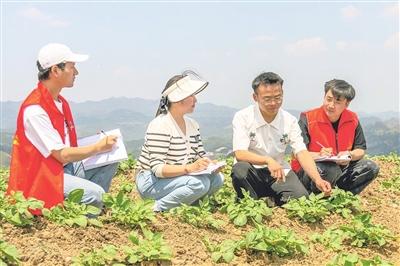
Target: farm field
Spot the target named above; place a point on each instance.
(358, 230)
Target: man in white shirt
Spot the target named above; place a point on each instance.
(261, 134)
(46, 162)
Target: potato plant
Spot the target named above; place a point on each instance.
(311, 209)
(280, 242)
(345, 259)
(360, 233)
(15, 208)
(9, 255)
(344, 203)
(198, 216)
(72, 212)
(247, 209)
(123, 210)
(104, 256)
(150, 247)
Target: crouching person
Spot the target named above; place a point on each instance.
(261, 134)
(173, 149)
(45, 160)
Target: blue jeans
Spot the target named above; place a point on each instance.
(94, 182)
(172, 192)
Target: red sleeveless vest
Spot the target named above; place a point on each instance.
(321, 130)
(30, 172)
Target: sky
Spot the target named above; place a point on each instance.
(135, 47)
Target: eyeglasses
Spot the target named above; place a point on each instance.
(276, 99)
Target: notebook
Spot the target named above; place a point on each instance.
(212, 167)
(334, 158)
(117, 154)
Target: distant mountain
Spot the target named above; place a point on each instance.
(132, 116)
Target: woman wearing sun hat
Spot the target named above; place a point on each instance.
(173, 149)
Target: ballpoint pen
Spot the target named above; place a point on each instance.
(198, 154)
(322, 146)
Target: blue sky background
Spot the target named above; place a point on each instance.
(135, 47)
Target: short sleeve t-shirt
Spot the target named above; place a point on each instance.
(40, 131)
(252, 133)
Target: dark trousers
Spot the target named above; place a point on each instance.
(259, 183)
(354, 177)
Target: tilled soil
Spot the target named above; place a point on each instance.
(46, 243)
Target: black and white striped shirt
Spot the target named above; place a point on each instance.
(165, 143)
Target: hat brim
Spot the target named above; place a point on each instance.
(75, 58)
(191, 87)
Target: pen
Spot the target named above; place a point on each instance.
(104, 133)
(322, 146)
(198, 154)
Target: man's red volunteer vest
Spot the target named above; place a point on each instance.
(30, 172)
(321, 130)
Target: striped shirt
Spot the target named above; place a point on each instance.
(165, 143)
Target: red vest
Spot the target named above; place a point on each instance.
(321, 130)
(30, 172)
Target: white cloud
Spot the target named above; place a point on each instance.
(35, 14)
(263, 38)
(306, 47)
(392, 10)
(349, 12)
(393, 41)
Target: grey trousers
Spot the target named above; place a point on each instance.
(259, 183)
(354, 177)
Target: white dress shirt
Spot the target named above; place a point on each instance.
(252, 133)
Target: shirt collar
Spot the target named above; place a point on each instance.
(259, 119)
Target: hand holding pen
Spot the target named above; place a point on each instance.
(200, 164)
(106, 143)
(324, 150)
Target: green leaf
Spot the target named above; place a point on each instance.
(81, 221)
(75, 195)
(228, 256)
(95, 222)
(240, 220)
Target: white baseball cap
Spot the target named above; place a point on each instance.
(191, 84)
(54, 53)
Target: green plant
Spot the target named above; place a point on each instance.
(344, 259)
(247, 209)
(16, 208)
(127, 165)
(311, 209)
(331, 238)
(125, 211)
(72, 212)
(362, 232)
(151, 247)
(344, 202)
(224, 252)
(104, 256)
(392, 184)
(392, 157)
(280, 241)
(223, 197)
(4, 172)
(9, 255)
(199, 216)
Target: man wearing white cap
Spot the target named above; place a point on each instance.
(45, 161)
(173, 150)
